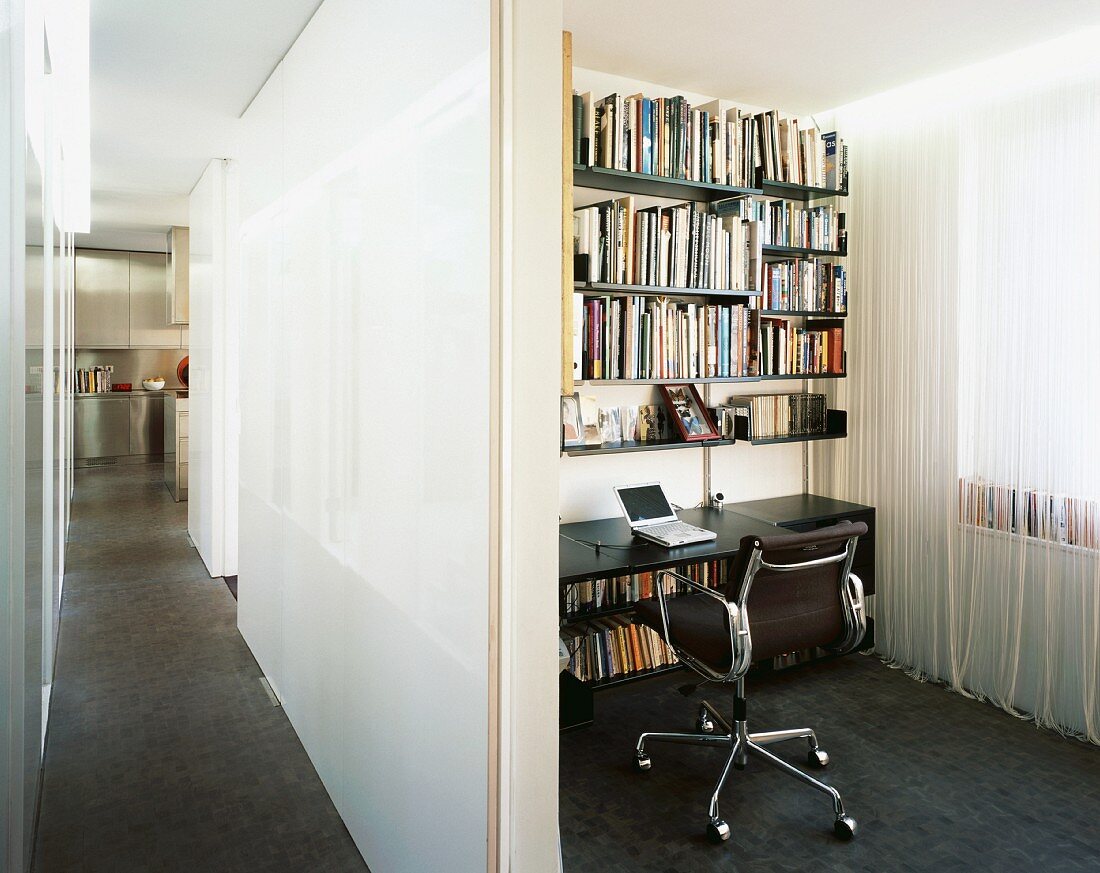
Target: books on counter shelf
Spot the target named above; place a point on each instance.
(795, 351)
(612, 647)
(585, 598)
(93, 380)
(716, 142)
(807, 286)
(791, 224)
(678, 246)
(769, 416)
(638, 337)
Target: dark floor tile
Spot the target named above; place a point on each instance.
(164, 753)
(938, 782)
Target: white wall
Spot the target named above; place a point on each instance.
(530, 84)
(740, 472)
(213, 344)
(364, 474)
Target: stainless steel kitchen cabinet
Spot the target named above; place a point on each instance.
(147, 424)
(101, 427)
(148, 285)
(102, 299)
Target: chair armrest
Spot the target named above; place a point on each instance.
(740, 654)
(855, 615)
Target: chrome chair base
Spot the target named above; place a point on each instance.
(741, 743)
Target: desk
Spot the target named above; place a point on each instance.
(580, 563)
(577, 562)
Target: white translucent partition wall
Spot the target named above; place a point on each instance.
(364, 386)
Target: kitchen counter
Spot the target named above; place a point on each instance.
(141, 392)
(175, 443)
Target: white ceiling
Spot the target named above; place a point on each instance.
(169, 78)
(805, 56)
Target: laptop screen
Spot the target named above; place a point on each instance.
(645, 503)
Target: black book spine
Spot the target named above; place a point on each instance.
(578, 124)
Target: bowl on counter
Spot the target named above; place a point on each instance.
(152, 384)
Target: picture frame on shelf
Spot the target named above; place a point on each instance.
(689, 415)
(611, 431)
(572, 428)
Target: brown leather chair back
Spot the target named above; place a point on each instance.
(799, 608)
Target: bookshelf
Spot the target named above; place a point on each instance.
(621, 290)
(648, 185)
(775, 206)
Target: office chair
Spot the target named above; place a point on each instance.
(785, 593)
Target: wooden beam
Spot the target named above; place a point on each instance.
(567, 213)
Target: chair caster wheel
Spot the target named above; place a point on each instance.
(844, 828)
(704, 726)
(718, 831)
(641, 762)
(817, 758)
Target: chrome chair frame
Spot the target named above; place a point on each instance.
(737, 737)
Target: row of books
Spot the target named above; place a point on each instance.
(92, 380)
(789, 350)
(610, 647)
(585, 598)
(811, 285)
(714, 143)
(1030, 512)
(768, 416)
(678, 246)
(790, 223)
(801, 155)
(636, 337)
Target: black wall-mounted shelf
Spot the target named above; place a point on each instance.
(836, 427)
(654, 186)
(780, 253)
(671, 381)
(621, 290)
(579, 451)
(796, 376)
(792, 191)
(802, 313)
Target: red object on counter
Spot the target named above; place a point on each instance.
(181, 370)
(123, 386)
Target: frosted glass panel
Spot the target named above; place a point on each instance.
(364, 465)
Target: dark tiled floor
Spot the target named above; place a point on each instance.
(938, 782)
(164, 753)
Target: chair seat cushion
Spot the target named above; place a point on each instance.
(698, 623)
(778, 622)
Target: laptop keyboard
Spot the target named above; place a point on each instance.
(672, 529)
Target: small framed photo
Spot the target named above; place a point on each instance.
(689, 416)
(572, 430)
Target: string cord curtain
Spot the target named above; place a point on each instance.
(974, 376)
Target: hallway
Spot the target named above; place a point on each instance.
(164, 753)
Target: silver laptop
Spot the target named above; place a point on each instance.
(647, 510)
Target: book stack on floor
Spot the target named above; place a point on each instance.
(93, 380)
(677, 246)
(808, 286)
(714, 143)
(638, 337)
(768, 416)
(786, 350)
